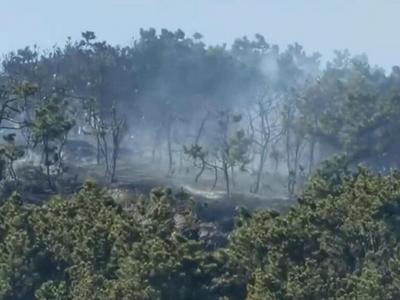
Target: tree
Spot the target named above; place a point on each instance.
(352, 110)
(91, 247)
(15, 106)
(338, 242)
(118, 131)
(264, 131)
(14, 102)
(50, 128)
(9, 153)
(294, 140)
(229, 151)
(109, 131)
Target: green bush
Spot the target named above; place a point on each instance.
(88, 247)
(338, 245)
(339, 242)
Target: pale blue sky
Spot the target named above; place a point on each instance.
(369, 26)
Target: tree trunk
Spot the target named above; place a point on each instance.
(106, 154)
(260, 168)
(114, 161)
(170, 156)
(156, 145)
(47, 164)
(311, 158)
(215, 178)
(232, 176)
(169, 146)
(226, 176)
(98, 154)
(201, 129)
(203, 166)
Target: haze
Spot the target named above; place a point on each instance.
(360, 26)
(201, 150)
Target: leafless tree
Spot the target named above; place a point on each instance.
(265, 128)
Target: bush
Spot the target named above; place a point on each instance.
(90, 248)
(337, 245)
(339, 242)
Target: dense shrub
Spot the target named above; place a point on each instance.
(88, 247)
(337, 245)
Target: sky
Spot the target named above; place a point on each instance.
(362, 26)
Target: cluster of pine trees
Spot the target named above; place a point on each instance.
(172, 92)
(250, 107)
(339, 241)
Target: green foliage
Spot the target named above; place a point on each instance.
(52, 121)
(50, 128)
(341, 240)
(90, 248)
(9, 153)
(353, 109)
(341, 244)
(172, 69)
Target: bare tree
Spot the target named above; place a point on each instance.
(118, 131)
(229, 151)
(294, 141)
(264, 129)
(109, 135)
